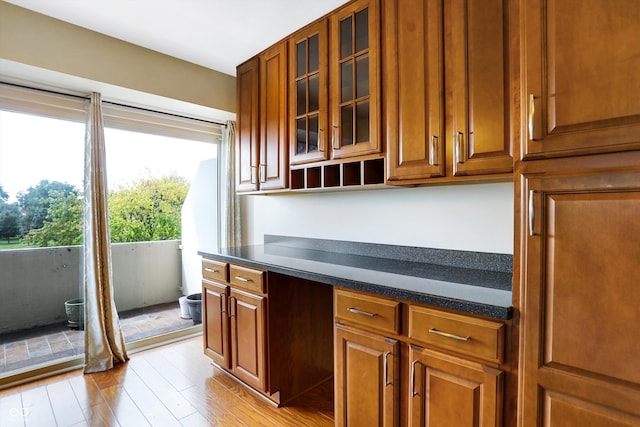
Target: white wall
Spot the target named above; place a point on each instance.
(477, 217)
(199, 224)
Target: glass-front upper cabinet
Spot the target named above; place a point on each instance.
(354, 77)
(308, 94)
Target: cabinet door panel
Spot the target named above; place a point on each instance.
(248, 130)
(308, 94)
(581, 292)
(582, 76)
(366, 374)
(248, 332)
(448, 391)
(477, 86)
(414, 89)
(354, 63)
(216, 323)
(274, 154)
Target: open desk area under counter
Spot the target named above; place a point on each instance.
(401, 331)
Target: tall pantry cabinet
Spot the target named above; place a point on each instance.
(578, 193)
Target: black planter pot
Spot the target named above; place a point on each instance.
(195, 307)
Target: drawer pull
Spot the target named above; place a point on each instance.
(211, 270)
(448, 335)
(243, 279)
(364, 313)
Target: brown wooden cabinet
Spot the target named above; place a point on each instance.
(262, 156)
(309, 94)
(248, 337)
(449, 391)
(438, 368)
(581, 246)
(248, 129)
(272, 331)
(582, 77)
(446, 86)
(216, 322)
(354, 67)
(366, 387)
(234, 314)
(273, 171)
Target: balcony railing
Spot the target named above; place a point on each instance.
(35, 283)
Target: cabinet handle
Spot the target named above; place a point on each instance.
(211, 270)
(532, 213)
(254, 174)
(448, 335)
(532, 116)
(458, 150)
(320, 147)
(243, 279)
(364, 313)
(231, 306)
(386, 369)
(262, 176)
(224, 304)
(413, 379)
(334, 139)
(432, 150)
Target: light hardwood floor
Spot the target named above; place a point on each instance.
(172, 385)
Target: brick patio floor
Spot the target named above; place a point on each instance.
(22, 349)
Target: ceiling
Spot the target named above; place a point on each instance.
(217, 34)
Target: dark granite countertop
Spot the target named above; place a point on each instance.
(472, 282)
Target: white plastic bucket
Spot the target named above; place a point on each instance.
(184, 308)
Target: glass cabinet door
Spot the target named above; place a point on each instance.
(309, 94)
(355, 80)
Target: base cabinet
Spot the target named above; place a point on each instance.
(366, 378)
(216, 322)
(390, 373)
(272, 332)
(248, 337)
(450, 391)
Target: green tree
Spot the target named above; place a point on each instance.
(63, 223)
(10, 220)
(3, 195)
(36, 200)
(148, 210)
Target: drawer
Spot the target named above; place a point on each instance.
(368, 311)
(214, 270)
(479, 338)
(247, 278)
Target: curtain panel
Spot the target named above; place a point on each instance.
(230, 223)
(104, 341)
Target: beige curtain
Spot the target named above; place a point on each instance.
(230, 224)
(103, 339)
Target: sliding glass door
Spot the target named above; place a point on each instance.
(41, 209)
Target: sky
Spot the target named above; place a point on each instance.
(33, 148)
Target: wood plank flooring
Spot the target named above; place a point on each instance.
(172, 385)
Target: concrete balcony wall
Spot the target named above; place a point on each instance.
(35, 283)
